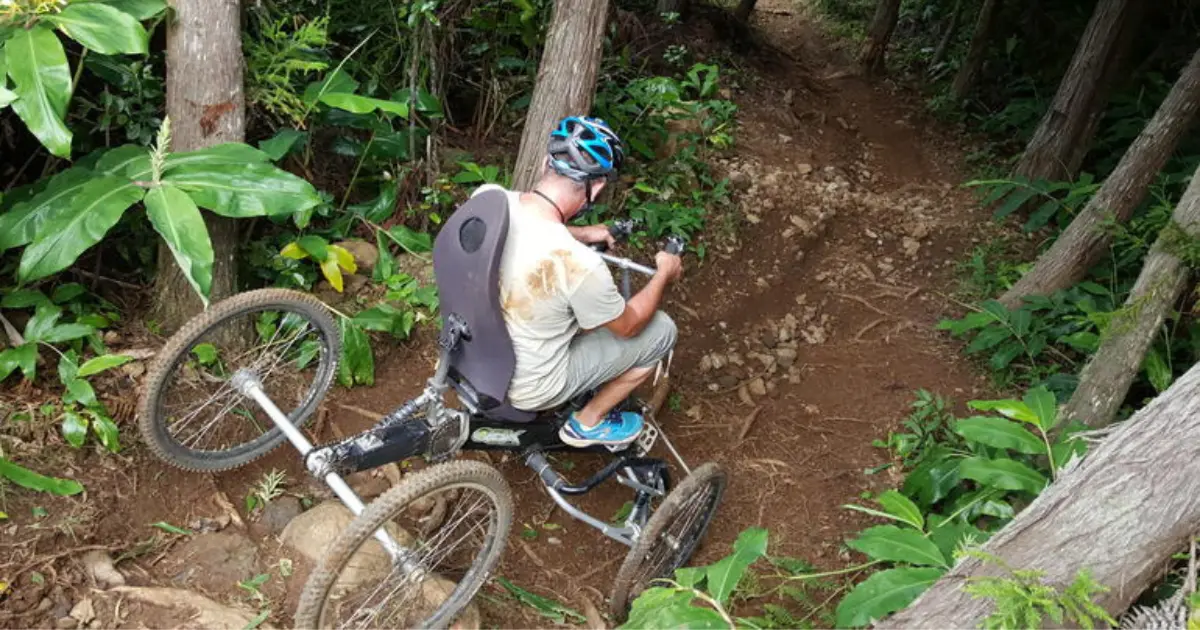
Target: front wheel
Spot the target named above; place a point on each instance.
(193, 417)
(671, 536)
(452, 519)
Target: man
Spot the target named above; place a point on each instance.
(572, 331)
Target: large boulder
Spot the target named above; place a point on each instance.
(213, 561)
(313, 533)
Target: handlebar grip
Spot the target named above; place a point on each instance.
(675, 245)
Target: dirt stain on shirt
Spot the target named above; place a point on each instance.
(575, 271)
(542, 281)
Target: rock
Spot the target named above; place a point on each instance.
(368, 486)
(415, 266)
(366, 255)
(804, 169)
(134, 369)
(200, 611)
(66, 623)
(911, 246)
(727, 381)
(739, 180)
(706, 363)
(352, 283)
(112, 337)
(757, 387)
(314, 531)
(279, 512)
(769, 338)
(100, 567)
(786, 357)
(83, 611)
(744, 395)
(214, 561)
(45, 604)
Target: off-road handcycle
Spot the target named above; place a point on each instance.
(250, 371)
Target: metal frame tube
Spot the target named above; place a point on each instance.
(248, 384)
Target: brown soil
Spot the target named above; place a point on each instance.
(849, 222)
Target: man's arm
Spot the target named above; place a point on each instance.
(591, 234)
(642, 306)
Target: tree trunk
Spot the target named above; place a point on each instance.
(1084, 242)
(976, 52)
(1120, 514)
(206, 104)
(1109, 373)
(879, 33)
(1061, 129)
(1115, 69)
(743, 10)
(939, 54)
(566, 80)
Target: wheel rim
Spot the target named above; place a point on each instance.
(203, 414)
(443, 526)
(678, 539)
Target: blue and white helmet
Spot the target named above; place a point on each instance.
(585, 149)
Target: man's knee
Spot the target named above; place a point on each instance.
(661, 333)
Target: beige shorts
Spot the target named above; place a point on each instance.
(599, 356)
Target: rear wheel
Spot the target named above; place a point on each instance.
(454, 519)
(670, 537)
(193, 417)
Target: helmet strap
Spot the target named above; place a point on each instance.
(587, 206)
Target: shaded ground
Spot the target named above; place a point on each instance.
(801, 342)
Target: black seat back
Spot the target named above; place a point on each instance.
(466, 263)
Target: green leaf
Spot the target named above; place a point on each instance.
(140, 9)
(356, 104)
(892, 544)
(545, 606)
(67, 332)
(358, 364)
(68, 292)
(690, 577)
(933, 479)
(101, 28)
(902, 508)
(385, 318)
(24, 298)
(1083, 341)
(1157, 371)
(206, 353)
(42, 78)
(74, 429)
(79, 391)
(7, 96)
(336, 82)
(1000, 433)
(988, 338)
(101, 363)
(282, 143)
(23, 357)
(19, 225)
(72, 228)
(34, 481)
(386, 265)
(247, 190)
(225, 154)
(68, 366)
(171, 529)
(414, 242)
(723, 576)
(118, 161)
(178, 220)
(659, 607)
(1015, 201)
(949, 534)
(106, 431)
(44, 319)
(381, 207)
(1005, 474)
(314, 246)
(884, 593)
(1044, 406)
(1014, 409)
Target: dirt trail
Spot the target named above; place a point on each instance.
(800, 344)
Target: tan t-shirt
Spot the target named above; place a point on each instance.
(551, 287)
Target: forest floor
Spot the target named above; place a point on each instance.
(851, 226)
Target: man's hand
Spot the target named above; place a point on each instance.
(670, 266)
(591, 234)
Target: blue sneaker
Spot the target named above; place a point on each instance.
(616, 429)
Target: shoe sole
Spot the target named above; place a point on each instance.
(583, 443)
